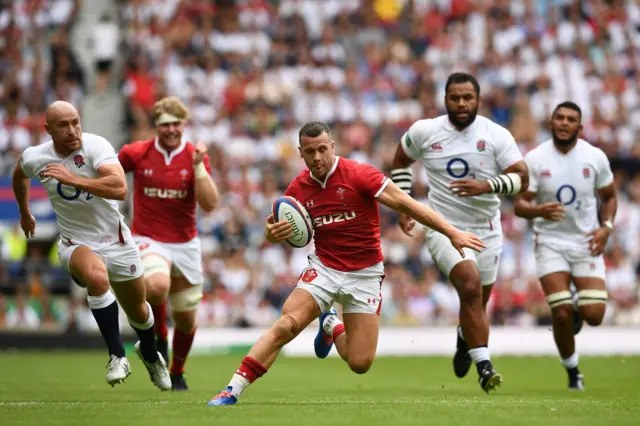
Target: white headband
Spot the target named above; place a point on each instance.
(167, 118)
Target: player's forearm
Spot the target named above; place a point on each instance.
(21, 191)
(525, 209)
(206, 193)
(425, 216)
(608, 209)
(112, 187)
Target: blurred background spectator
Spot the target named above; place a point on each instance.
(252, 71)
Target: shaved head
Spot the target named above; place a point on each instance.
(59, 109)
(63, 124)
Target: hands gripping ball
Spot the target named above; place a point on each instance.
(291, 210)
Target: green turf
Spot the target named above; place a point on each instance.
(69, 389)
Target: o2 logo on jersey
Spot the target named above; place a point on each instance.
(567, 195)
(459, 168)
(71, 197)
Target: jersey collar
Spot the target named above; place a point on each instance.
(169, 156)
(464, 132)
(326, 178)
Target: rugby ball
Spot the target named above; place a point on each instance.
(289, 209)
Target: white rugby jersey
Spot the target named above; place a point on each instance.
(481, 151)
(82, 218)
(571, 179)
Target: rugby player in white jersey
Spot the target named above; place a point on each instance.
(567, 176)
(83, 178)
(469, 161)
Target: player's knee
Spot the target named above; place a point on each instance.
(470, 291)
(285, 329)
(592, 305)
(562, 313)
(157, 277)
(97, 281)
(360, 364)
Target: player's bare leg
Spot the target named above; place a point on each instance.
(298, 312)
(132, 297)
(185, 298)
(357, 340)
(556, 288)
(88, 269)
(157, 271)
(462, 360)
(473, 322)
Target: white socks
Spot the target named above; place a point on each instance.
(145, 325)
(238, 385)
(571, 362)
(101, 302)
(330, 323)
(479, 354)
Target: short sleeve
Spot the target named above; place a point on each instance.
(27, 163)
(370, 180)
(533, 173)
(507, 152)
(104, 153)
(412, 140)
(604, 175)
(124, 156)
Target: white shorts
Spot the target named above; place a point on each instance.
(577, 262)
(488, 260)
(122, 261)
(185, 258)
(358, 292)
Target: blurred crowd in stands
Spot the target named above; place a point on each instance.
(252, 71)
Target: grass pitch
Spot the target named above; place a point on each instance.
(68, 388)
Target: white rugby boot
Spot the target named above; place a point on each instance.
(118, 369)
(158, 371)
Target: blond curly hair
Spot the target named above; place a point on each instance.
(171, 105)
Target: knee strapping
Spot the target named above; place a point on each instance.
(155, 264)
(591, 297)
(186, 300)
(559, 298)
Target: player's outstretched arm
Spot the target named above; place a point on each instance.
(20, 183)
(111, 183)
(396, 199)
(514, 180)
(525, 207)
(206, 189)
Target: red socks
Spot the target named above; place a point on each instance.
(251, 369)
(160, 320)
(337, 331)
(181, 346)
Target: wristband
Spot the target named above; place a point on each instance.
(201, 171)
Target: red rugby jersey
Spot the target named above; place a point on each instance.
(164, 202)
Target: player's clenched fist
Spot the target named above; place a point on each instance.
(198, 154)
(276, 232)
(460, 239)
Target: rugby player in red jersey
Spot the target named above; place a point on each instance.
(171, 176)
(342, 199)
